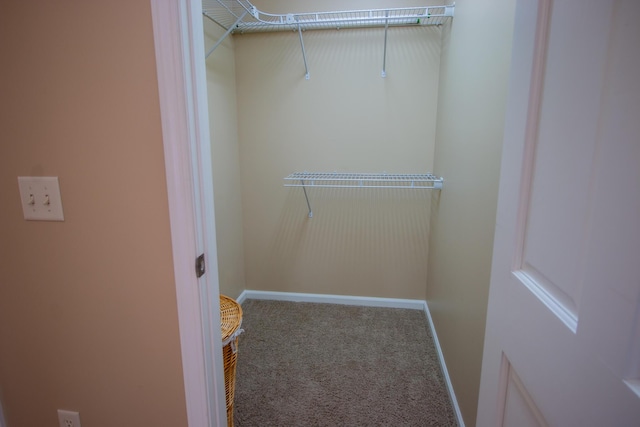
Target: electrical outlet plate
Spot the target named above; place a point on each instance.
(40, 197)
(68, 418)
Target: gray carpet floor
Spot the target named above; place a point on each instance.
(303, 364)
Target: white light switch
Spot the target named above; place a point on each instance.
(40, 197)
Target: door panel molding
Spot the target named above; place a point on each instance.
(536, 90)
(514, 393)
(550, 295)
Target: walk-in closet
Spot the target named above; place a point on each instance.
(356, 153)
(357, 177)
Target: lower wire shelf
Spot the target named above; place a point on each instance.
(361, 180)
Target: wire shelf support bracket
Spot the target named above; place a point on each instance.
(304, 54)
(229, 30)
(361, 180)
(384, 55)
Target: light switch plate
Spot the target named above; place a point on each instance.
(40, 197)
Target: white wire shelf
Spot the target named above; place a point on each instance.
(240, 16)
(361, 180)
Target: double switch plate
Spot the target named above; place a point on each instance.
(40, 197)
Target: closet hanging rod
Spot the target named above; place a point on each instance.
(227, 12)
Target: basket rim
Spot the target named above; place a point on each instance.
(230, 316)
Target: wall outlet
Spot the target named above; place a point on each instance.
(68, 418)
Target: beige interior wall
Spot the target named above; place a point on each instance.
(475, 68)
(88, 317)
(299, 6)
(223, 125)
(346, 118)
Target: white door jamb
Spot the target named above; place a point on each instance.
(179, 44)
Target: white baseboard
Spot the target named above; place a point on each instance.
(413, 304)
(443, 365)
(242, 297)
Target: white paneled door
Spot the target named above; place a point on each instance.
(562, 344)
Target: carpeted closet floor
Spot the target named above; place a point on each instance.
(304, 364)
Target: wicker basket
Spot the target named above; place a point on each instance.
(230, 321)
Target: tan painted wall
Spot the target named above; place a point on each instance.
(223, 124)
(475, 68)
(345, 118)
(298, 6)
(88, 317)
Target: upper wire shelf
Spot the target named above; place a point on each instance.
(363, 180)
(240, 16)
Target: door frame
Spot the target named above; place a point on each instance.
(179, 47)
